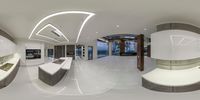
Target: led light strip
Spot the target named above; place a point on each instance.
(90, 15)
(50, 25)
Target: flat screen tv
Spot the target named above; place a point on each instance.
(33, 53)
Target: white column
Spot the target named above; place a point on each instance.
(86, 52)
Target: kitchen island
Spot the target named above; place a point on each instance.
(51, 73)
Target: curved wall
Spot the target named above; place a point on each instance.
(4, 34)
(175, 45)
(7, 45)
(7, 55)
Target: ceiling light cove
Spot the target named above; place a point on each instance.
(57, 31)
(90, 15)
(43, 41)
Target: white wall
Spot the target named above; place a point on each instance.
(175, 45)
(22, 45)
(7, 47)
(48, 46)
(94, 45)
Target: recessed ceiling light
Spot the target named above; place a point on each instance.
(57, 31)
(117, 26)
(97, 32)
(145, 29)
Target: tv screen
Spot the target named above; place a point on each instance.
(33, 53)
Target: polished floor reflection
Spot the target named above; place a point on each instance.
(93, 77)
(108, 78)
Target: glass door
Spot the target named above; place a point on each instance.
(90, 52)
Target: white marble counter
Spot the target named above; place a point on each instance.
(68, 62)
(174, 77)
(14, 60)
(52, 68)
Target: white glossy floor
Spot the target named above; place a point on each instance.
(108, 78)
(93, 77)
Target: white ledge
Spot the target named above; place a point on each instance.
(14, 61)
(174, 77)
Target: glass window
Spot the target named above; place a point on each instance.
(115, 48)
(102, 49)
(90, 52)
(78, 51)
(50, 52)
(130, 47)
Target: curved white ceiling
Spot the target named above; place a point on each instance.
(90, 15)
(19, 17)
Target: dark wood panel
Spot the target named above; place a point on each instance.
(59, 51)
(140, 52)
(71, 51)
(122, 47)
(149, 51)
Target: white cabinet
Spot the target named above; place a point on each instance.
(7, 47)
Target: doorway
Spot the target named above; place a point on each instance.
(50, 53)
(71, 51)
(79, 51)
